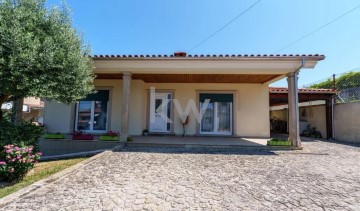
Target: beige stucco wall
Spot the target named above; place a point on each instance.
(347, 122)
(251, 117)
(58, 117)
(250, 111)
(32, 101)
(316, 116)
(279, 114)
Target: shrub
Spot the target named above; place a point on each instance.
(17, 161)
(23, 134)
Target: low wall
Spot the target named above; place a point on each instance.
(51, 147)
(347, 122)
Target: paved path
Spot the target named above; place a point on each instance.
(323, 176)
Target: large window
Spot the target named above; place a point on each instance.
(92, 112)
(217, 118)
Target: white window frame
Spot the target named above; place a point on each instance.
(92, 114)
(216, 122)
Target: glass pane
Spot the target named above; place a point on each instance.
(84, 115)
(100, 115)
(223, 114)
(158, 107)
(168, 112)
(207, 122)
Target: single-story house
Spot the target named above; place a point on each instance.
(219, 95)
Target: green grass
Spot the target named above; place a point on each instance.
(41, 170)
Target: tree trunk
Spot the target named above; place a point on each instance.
(1, 115)
(3, 99)
(18, 110)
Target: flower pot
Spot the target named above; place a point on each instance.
(82, 137)
(109, 138)
(279, 143)
(54, 136)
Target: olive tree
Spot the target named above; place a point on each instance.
(41, 54)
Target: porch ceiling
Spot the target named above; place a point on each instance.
(196, 78)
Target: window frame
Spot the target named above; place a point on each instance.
(92, 115)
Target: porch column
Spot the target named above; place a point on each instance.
(125, 106)
(294, 135)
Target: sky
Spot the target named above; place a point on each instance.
(165, 26)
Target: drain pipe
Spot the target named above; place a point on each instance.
(301, 66)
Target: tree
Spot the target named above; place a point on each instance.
(41, 55)
(347, 80)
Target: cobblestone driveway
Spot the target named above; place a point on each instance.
(323, 176)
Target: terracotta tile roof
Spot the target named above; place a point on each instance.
(184, 55)
(302, 90)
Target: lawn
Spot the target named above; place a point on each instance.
(41, 170)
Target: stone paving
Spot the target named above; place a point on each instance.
(323, 176)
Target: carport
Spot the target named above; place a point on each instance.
(279, 97)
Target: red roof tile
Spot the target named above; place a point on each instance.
(302, 90)
(226, 56)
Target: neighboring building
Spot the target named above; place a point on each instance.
(236, 86)
(32, 109)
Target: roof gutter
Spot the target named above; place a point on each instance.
(301, 66)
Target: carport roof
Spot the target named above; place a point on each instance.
(302, 90)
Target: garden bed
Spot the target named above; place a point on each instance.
(109, 138)
(278, 142)
(54, 136)
(82, 137)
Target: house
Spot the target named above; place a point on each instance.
(215, 95)
(32, 109)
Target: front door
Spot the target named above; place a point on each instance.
(160, 109)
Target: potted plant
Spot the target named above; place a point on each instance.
(54, 136)
(110, 136)
(130, 139)
(145, 132)
(278, 142)
(79, 135)
(184, 124)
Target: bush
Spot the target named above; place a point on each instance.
(24, 134)
(17, 161)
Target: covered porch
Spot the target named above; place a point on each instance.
(206, 75)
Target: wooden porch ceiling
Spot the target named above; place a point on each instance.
(196, 78)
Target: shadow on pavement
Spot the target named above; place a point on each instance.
(199, 150)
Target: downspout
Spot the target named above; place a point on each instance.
(301, 66)
(332, 117)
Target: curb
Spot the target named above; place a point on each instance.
(48, 180)
(239, 147)
(80, 154)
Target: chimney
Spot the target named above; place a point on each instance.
(180, 54)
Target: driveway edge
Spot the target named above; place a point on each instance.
(48, 180)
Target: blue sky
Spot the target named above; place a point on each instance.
(166, 26)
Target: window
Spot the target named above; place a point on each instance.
(92, 112)
(217, 118)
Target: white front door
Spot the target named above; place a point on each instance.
(160, 112)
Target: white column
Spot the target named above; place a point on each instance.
(124, 133)
(294, 135)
